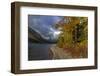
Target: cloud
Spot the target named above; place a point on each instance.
(43, 24)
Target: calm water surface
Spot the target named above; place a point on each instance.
(37, 51)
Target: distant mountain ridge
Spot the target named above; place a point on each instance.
(36, 36)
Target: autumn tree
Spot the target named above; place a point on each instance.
(73, 33)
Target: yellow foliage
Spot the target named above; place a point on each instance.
(66, 37)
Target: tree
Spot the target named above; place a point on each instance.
(74, 35)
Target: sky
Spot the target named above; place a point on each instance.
(43, 25)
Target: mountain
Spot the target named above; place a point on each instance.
(36, 36)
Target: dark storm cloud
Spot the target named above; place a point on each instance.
(43, 25)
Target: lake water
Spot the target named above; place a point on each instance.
(37, 51)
